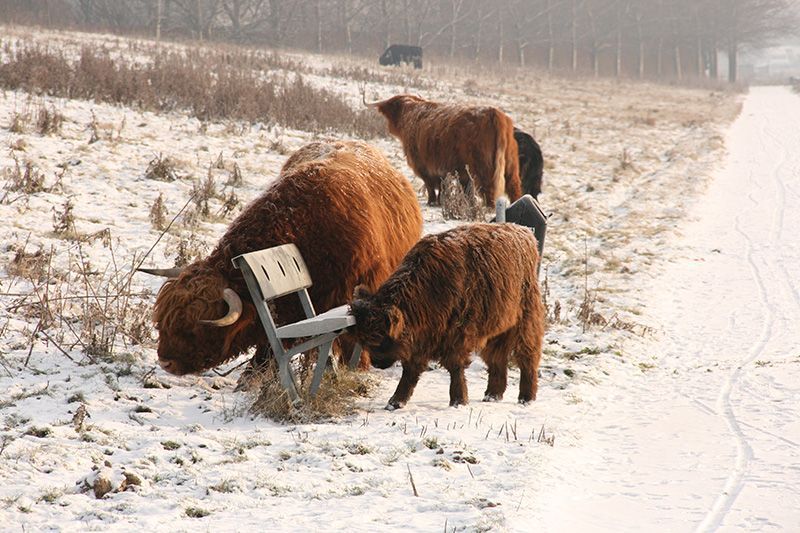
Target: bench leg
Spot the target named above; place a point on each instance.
(285, 375)
(319, 370)
(356, 357)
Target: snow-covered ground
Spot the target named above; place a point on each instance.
(708, 437)
(655, 423)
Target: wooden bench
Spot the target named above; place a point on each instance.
(281, 271)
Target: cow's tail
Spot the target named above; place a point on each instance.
(499, 177)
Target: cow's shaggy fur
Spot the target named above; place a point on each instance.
(472, 288)
(350, 213)
(442, 138)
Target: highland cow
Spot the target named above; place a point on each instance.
(472, 288)
(439, 139)
(531, 163)
(398, 54)
(350, 213)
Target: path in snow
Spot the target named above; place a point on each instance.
(710, 436)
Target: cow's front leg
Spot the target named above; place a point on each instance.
(404, 390)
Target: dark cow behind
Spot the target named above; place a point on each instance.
(397, 54)
(353, 218)
(442, 138)
(531, 163)
(471, 288)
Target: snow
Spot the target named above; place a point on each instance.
(661, 419)
(709, 437)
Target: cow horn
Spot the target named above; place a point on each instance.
(164, 272)
(368, 104)
(234, 310)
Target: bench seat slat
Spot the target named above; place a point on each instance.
(336, 319)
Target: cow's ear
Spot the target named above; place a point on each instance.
(397, 322)
(361, 292)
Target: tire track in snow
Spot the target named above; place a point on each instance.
(744, 452)
(778, 222)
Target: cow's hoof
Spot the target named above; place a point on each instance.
(458, 403)
(394, 405)
(523, 401)
(492, 397)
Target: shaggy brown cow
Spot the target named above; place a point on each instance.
(442, 138)
(467, 289)
(350, 213)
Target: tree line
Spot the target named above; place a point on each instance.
(654, 39)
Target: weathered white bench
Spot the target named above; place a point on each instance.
(281, 271)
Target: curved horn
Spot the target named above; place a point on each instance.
(369, 104)
(164, 272)
(234, 310)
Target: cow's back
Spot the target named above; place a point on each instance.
(478, 274)
(350, 213)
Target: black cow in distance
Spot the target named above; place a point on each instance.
(531, 163)
(397, 54)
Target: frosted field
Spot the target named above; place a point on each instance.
(671, 401)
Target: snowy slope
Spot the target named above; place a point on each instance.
(196, 459)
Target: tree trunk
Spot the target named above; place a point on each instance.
(158, 20)
(574, 31)
(551, 45)
(348, 36)
(479, 32)
(318, 16)
(701, 70)
(733, 67)
(406, 21)
(678, 65)
(500, 35)
(453, 29)
(387, 28)
(713, 61)
(660, 58)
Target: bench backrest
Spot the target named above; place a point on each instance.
(279, 271)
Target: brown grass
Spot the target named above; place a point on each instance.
(209, 84)
(158, 213)
(48, 120)
(459, 203)
(336, 397)
(161, 168)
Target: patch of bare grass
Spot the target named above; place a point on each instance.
(48, 120)
(158, 213)
(24, 179)
(161, 168)
(336, 396)
(459, 202)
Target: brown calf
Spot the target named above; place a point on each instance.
(472, 288)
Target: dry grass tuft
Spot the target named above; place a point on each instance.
(189, 250)
(158, 213)
(25, 179)
(48, 120)
(458, 202)
(64, 221)
(161, 168)
(19, 122)
(336, 397)
(28, 265)
(236, 179)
